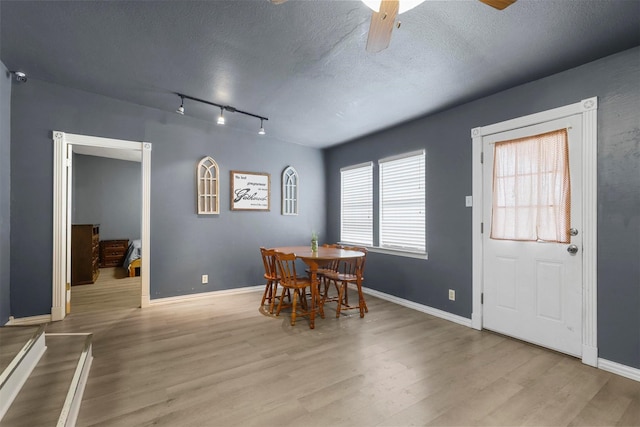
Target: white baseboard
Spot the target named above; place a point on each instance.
(619, 369)
(26, 321)
(420, 307)
(201, 295)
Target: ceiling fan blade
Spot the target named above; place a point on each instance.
(499, 4)
(381, 26)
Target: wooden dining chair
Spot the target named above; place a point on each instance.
(298, 285)
(349, 271)
(272, 278)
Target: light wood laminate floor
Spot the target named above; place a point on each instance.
(12, 340)
(219, 361)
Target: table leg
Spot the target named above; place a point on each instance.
(313, 268)
(316, 304)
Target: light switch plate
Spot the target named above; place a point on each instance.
(468, 201)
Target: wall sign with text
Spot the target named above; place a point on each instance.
(250, 191)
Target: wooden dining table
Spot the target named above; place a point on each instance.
(314, 260)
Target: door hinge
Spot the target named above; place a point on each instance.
(482, 228)
(482, 157)
(482, 298)
(67, 163)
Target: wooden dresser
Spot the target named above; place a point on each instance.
(112, 252)
(85, 239)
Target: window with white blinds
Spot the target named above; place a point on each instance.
(356, 204)
(402, 202)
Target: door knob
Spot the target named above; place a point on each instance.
(573, 231)
(572, 249)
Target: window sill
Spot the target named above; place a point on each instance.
(395, 252)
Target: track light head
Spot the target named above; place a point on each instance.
(180, 109)
(221, 118)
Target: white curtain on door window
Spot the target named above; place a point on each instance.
(532, 189)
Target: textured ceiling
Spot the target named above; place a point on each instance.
(303, 64)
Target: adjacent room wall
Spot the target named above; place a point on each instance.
(5, 193)
(107, 192)
(184, 245)
(446, 137)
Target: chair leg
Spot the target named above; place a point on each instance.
(341, 294)
(267, 291)
(327, 284)
(293, 308)
(281, 299)
(361, 303)
(274, 292)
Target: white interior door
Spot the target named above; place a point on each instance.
(533, 289)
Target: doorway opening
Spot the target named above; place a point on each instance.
(64, 146)
(105, 198)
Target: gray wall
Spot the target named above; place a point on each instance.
(107, 192)
(5, 192)
(183, 245)
(615, 80)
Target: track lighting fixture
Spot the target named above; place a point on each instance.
(180, 109)
(221, 119)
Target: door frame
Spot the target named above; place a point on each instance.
(588, 108)
(62, 151)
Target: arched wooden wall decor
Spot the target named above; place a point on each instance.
(208, 183)
(290, 191)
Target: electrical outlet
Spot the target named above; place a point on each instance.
(452, 295)
(205, 278)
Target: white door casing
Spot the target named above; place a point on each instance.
(586, 112)
(62, 211)
(533, 290)
(69, 177)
